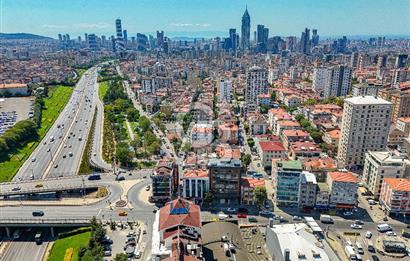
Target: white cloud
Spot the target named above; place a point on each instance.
(189, 25)
(78, 26)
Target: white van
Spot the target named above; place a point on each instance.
(359, 248)
(384, 228)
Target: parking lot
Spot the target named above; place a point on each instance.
(254, 241)
(14, 109)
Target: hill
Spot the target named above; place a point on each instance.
(22, 36)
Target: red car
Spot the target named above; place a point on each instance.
(241, 215)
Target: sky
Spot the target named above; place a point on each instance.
(205, 18)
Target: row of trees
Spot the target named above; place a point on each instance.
(314, 132)
(17, 135)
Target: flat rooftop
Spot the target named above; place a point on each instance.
(365, 100)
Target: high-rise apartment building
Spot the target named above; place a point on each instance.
(401, 60)
(246, 31)
(320, 78)
(225, 90)
(92, 41)
(338, 81)
(256, 83)
(400, 99)
(286, 180)
(365, 127)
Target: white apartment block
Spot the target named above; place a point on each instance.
(273, 75)
(380, 165)
(338, 82)
(256, 83)
(365, 89)
(225, 90)
(307, 190)
(365, 127)
(320, 76)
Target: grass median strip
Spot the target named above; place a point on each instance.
(53, 105)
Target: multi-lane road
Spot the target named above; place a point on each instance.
(59, 153)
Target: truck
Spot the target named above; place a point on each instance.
(326, 219)
(351, 255)
(383, 228)
(38, 238)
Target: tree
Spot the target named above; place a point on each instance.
(123, 154)
(310, 101)
(246, 127)
(144, 123)
(246, 160)
(251, 142)
(187, 147)
(208, 197)
(260, 195)
(121, 257)
(132, 114)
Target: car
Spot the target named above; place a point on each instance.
(356, 226)
(70, 154)
(69, 146)
(107, 253)
(33, 159)
(16, 188)
(31, 176)
(347, 213)
(48, 150)
(64, 156)
(369, 234)
(119, 178)
(65, 145)
(391, 233)
(38, 213)
(123, 214)
(252, 219)
(375, 258)
(385, 219)
(243, 210)
(241, 215)
(359, 222)
(147, 188)
(231, 210)
(56, 166)
(265, 213)
(297, 218)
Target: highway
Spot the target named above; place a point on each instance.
(52, 156)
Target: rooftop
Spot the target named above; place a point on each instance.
(225, 163)
(271, 146)
(290, 164)
(342, 176)
(179, 212)
(398, 184)
(365, 100)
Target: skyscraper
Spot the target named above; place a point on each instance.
(315, 38)
(365, 127)
(160, 38)
(119, 43)
(305, 42)
(262, 37)
(246, 30)
(92, 42)
(125, 36)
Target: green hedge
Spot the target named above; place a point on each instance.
(74, 232)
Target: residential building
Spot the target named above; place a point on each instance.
(256, 83)
(202, 136)
(307, 190)
(395, 196)
(165, 180)
(228, 133)
(322, 196)
(320, 78)
(400, 100)
(286, 179)
(258, 124)
(248, 185)
(365, 126)
(403, 125)
(320, 167)
(225, 90)
(343, 189)
(289, 136)
(177, 232)
(195, 184)
(332, 137)
(225, 180)
(269, 150)
(366, 89)
(296, 242)
(304, 149)
(380, 165)
(338, 82)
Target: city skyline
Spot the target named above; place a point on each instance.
(213, 19)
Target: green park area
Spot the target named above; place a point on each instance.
(69, 246)
(13, 156)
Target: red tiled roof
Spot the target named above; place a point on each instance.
(398, 184)
(271, 146)
(295, 133)
(195, 173)
(252, 182)
(179, 212)
(343, 176)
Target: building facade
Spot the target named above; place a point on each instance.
(286, 179)
(343, 189)
(365, 126)
(395, 196)
(256, 83)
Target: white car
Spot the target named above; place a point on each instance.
(391, 233)
(368, 234)
(356, 226)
